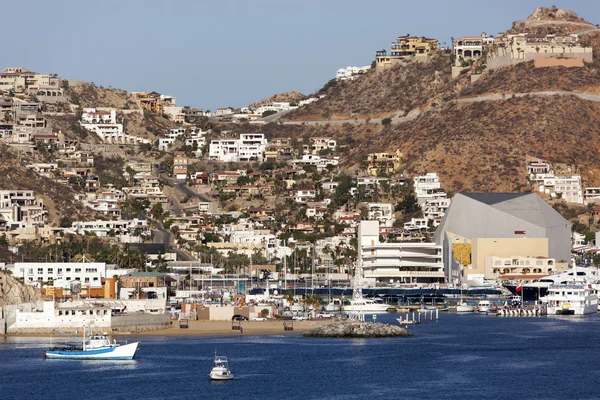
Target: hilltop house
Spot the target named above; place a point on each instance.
(249, 147)
(406, 47)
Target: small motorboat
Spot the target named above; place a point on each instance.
(433, 309)
(220, 370)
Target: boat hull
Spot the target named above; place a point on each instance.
(465, 309)
(590, 309)
(370, 308)
(529, 292)
(124, 352)
(216, 377)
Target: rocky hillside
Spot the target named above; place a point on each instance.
(480, 144)
(14, 292)
(87, 94)
(291, 97)
(59, 199)
(545, 20)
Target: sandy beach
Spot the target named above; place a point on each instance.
(223, 328)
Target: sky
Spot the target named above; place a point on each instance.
(221, 53)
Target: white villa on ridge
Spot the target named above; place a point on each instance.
(249, 147)
(20, 209)
(103, 122)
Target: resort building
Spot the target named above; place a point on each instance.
(406, 47)
(394, 264)
(62, 274)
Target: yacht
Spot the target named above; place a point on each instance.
(333, 306)
(536, 290)
(220, 370)
(366, 305)
(572, 298)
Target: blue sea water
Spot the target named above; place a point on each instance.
(459, 357)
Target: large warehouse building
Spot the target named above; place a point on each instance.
(500, 226)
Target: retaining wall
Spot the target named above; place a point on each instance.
(140, 322)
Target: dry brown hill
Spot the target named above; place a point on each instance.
(291, 97)
(475, 146)
(59, 199)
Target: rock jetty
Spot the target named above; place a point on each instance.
(357, 329)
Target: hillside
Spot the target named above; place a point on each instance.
(291, 97)
(394, 91)
(59, 199)
(87, 94)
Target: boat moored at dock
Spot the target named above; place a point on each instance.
(572, 298)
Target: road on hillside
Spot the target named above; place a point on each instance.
(416, 112)
(164, 236)
(185, 189)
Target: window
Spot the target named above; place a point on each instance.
(40, 271)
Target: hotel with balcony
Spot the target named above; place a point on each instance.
(394, 264)
(406, 47)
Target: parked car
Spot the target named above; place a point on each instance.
(300, 318)
(259, 319)
(238, 317)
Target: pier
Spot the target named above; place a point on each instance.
(414, 318)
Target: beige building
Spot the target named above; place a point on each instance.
(389, 162)
(19, 79)
(406, 47)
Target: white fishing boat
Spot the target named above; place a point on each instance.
(334, 305)
(572, 298)
(92, 347)
(220, 370)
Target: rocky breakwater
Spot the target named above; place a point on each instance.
(357, 329)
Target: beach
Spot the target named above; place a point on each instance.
(221, 328)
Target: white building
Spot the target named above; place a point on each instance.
(275, 106)
(103, 228)
(62, 274)
(103, 122)
(249, 147)
(393, 264)
(436, 208)
(382, 212)
(427, 187)
(20, 209)
(304, 196)
(351, 73)
(567, 188)
(321, 162)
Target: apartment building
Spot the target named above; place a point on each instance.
(406, 47)
(279, 149)
(20, 209)
(62, 274)
(102, 228)
(180, 165)
(304, 196)
(393, 264)
(427, 187)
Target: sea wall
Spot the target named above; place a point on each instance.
(140, 322)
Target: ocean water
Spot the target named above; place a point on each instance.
(459, 357)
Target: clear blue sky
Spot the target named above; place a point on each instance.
(219, 53)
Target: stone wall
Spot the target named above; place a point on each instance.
(505, 60)
(140, 322)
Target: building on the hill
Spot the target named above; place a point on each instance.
(406, 47)
(21, 79)
(21, 209)
(384, 162)
(501, 225)
(351, 73)
(515, 48)
(180, 165)
(249, 147)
